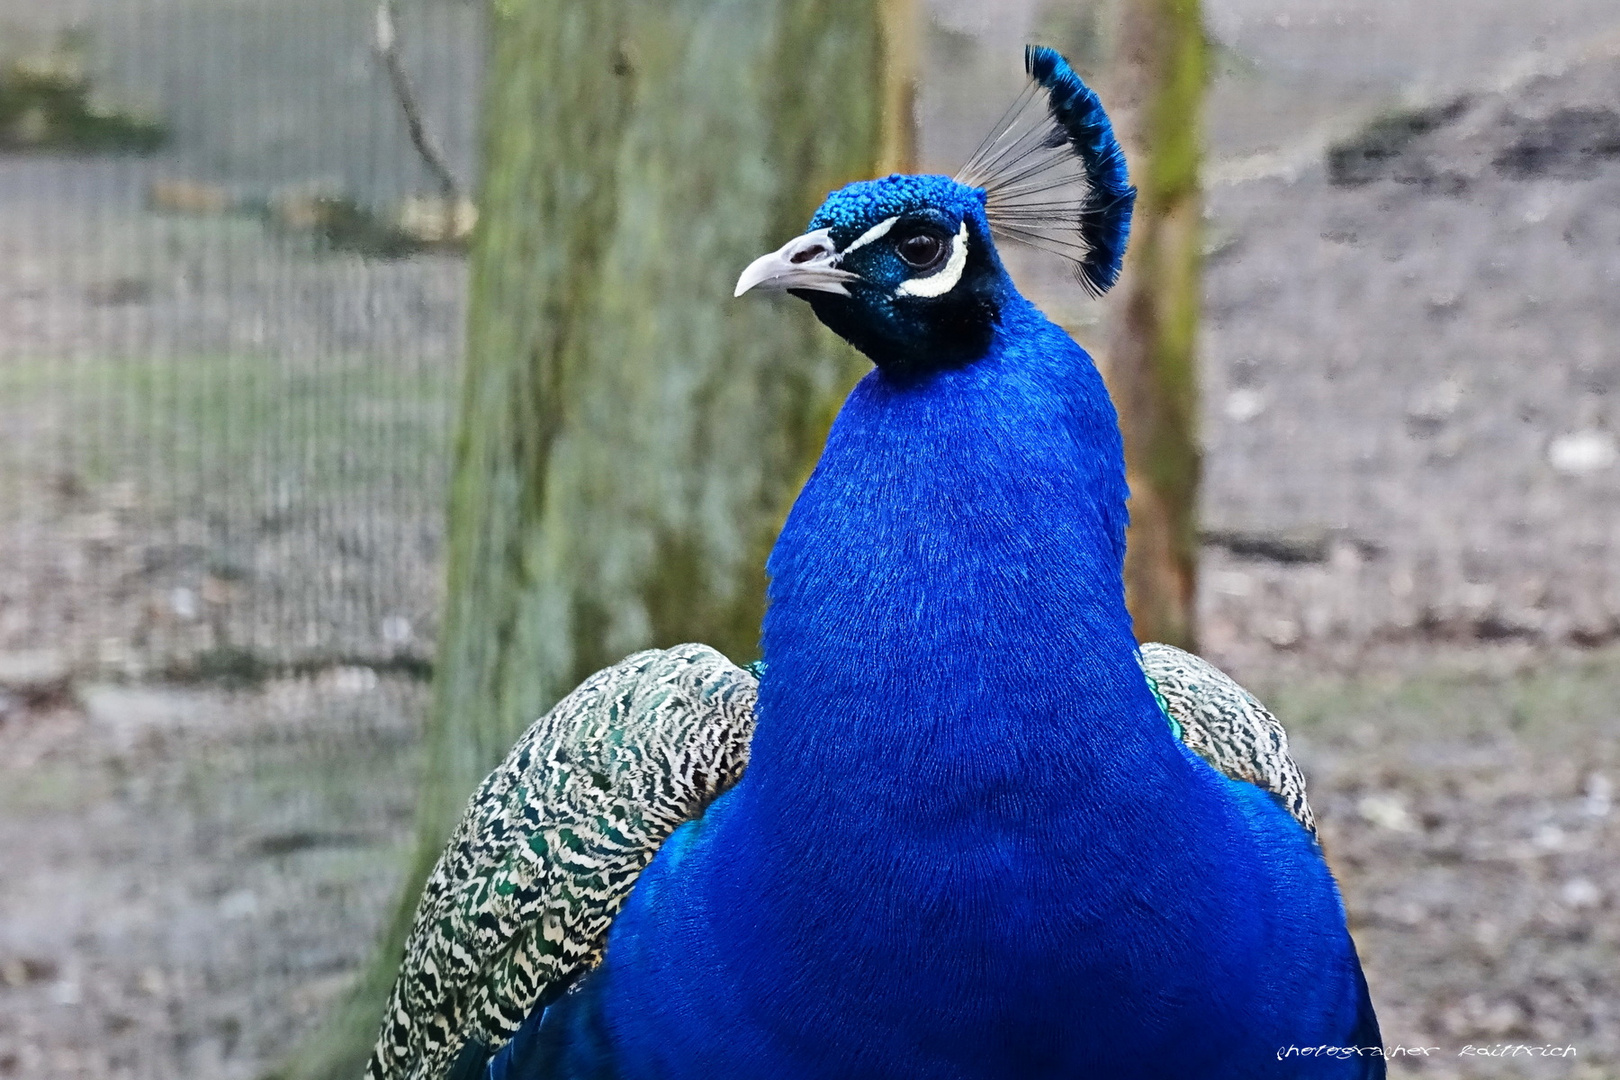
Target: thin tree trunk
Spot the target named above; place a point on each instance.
(631, 437)
(1159, 71)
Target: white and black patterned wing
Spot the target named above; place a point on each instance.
(1226, 726)
(521, 900)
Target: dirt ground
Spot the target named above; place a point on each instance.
(1413, 508)
(193, 873)
(1450, 465)
(1468, 810)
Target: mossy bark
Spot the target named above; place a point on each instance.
(1159, 75)
(631, 437)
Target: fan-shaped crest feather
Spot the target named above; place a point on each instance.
(1054, 174)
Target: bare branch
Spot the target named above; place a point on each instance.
(386, 43)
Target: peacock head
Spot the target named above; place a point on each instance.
(905, 268)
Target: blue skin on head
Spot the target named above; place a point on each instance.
(966, 845)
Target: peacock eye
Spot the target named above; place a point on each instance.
(922, 251)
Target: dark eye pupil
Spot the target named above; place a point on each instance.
(920, 250)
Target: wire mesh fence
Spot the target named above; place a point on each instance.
(231, 304)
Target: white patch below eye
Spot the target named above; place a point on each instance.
(944, 279)
(876, 232)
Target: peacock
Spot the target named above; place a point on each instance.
(956, 823)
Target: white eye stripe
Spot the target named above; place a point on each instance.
(945, 278)
(876, 232)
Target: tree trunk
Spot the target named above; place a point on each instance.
(631, 437)
(1159, 67)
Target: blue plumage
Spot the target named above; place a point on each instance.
(966, 844)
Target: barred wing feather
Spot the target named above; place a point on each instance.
(521, 900)
(1226, 726)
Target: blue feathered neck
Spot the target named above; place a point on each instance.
(959, 777)
(969, 528)
(961, 790)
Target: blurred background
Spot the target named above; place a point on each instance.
(234, 294)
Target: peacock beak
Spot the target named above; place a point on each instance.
(806, 262)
